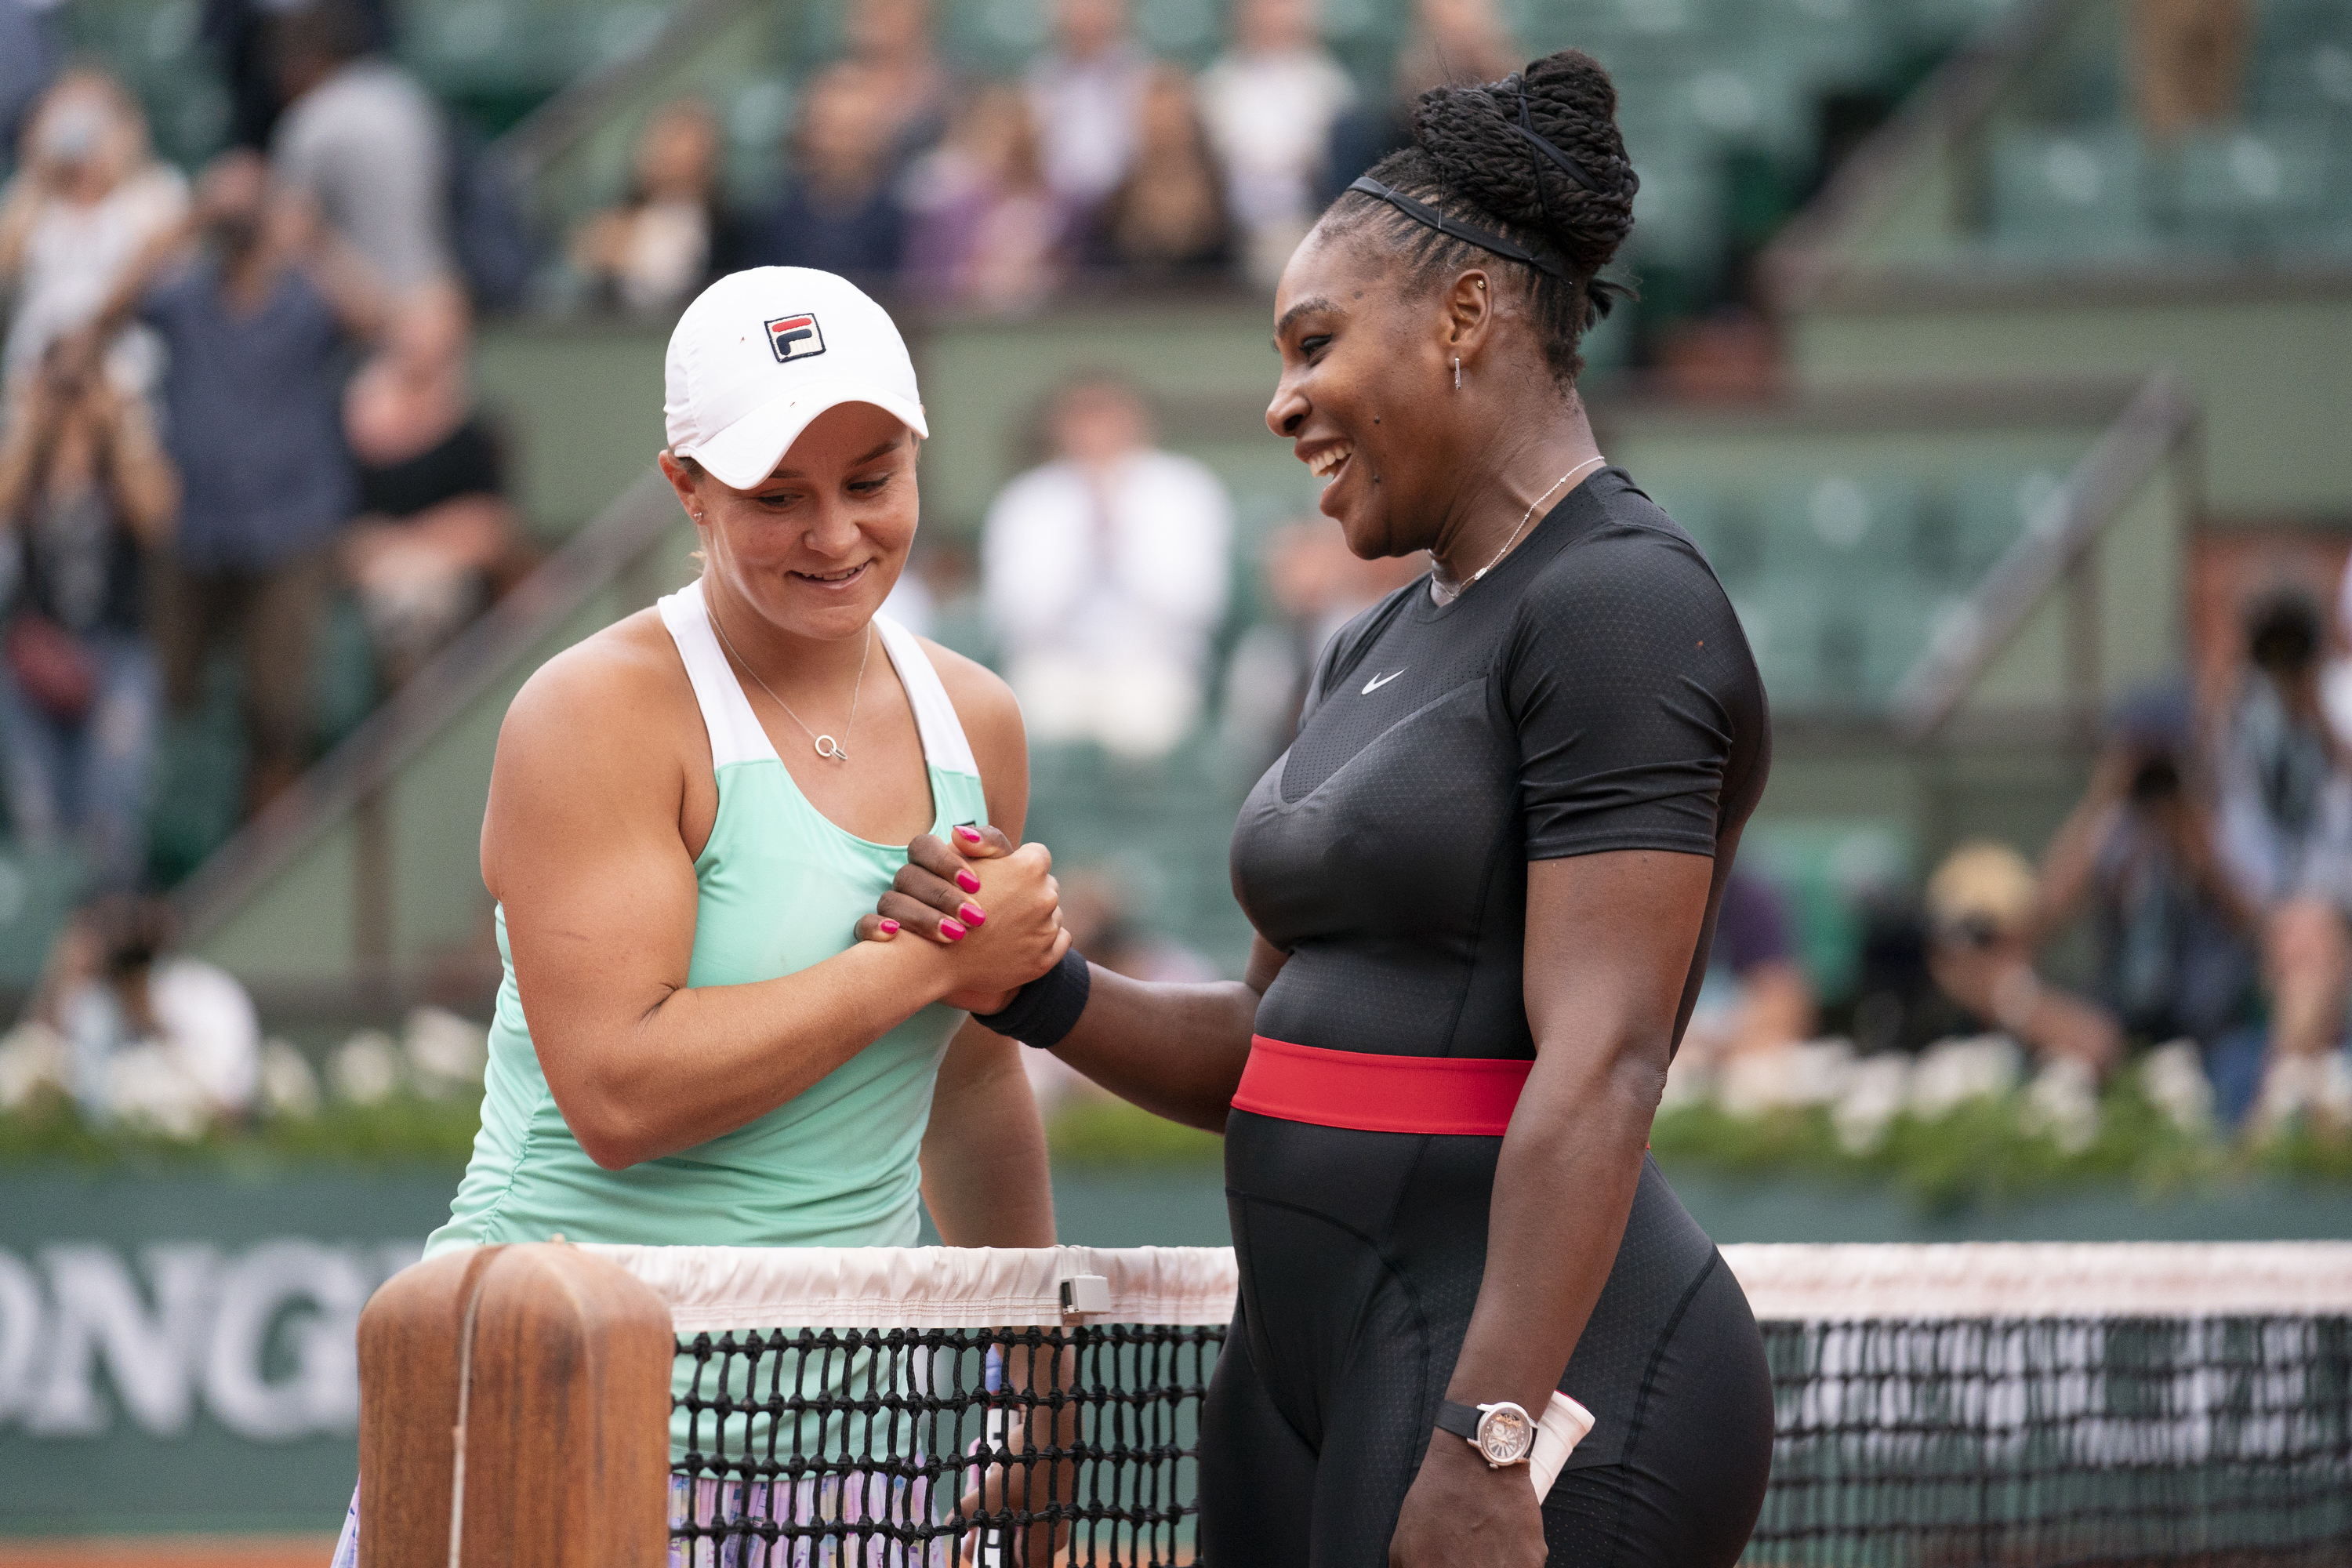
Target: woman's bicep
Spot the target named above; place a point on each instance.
(581, 849)
(1611, 938)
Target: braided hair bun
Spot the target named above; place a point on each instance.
(1535, 158)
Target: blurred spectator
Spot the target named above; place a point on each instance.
(840, 212)
(1756, 997)
(256, 326)
(1104, 572)
(1984, 920)
(1315, 585)
(983, 226)
(1085, 93)
(86, 496)
(1167, 218)
(89, 198)
(1452, 41)
(2286, 840)
(891, 39)
(435, 525)
(1271, 101)
(2176, 959)
(155, 1037)
(672, 233)
(362, 139)
(2187, 62)
(28, 59)
(239, 35)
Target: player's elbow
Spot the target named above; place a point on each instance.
(607, 1130)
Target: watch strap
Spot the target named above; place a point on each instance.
(1460, 1419)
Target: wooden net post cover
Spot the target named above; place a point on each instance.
(566, 1432)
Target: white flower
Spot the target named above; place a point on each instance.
(445, 1050)
(288, 1087)
(147, 1089)
(2173, 1079)
(2063, 1105)
(1874, 1094)
(1689, 1079)
(1810, 1072)
(1952, 1072)
(32, 1058)
(365, 1068)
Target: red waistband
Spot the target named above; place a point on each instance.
(1472, 1095)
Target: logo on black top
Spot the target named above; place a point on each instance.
(795, 337)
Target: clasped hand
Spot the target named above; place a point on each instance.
(997, 909)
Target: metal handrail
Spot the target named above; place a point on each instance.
(636, 520)
(2159, 418)
(1959, 95)
(552, 130)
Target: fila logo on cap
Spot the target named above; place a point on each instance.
(795, 337)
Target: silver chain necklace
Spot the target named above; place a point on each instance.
(1490, 565)
(826, 746)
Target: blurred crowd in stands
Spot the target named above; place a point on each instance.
(2208, 865)
(909, 176)
(225, 402)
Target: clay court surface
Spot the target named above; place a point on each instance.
(209, 1552)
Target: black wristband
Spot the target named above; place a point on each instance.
(1047, 1008)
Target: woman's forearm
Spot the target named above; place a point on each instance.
(704, 1060)
(1175, 1050)
(1563, 1189)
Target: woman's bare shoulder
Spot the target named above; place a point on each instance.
(614, 697)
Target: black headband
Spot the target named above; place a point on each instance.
(1484, 238)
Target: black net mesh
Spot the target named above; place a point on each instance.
(885, 1448)
(2054, 1443)
(2061, 1443)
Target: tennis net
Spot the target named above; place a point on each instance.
(2025, 1407)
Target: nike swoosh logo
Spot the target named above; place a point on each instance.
(1376, 682)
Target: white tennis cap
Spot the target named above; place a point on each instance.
(759, 353)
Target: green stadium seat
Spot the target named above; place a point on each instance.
(2256, 187)
(2079, 192)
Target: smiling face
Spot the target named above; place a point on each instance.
(816, 547)
(1363, 354)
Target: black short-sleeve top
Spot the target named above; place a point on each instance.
(1593, 692)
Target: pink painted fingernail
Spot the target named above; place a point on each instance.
(952, 929)
(974, 915)
(967, 882)
(891, 927)
(969, 835)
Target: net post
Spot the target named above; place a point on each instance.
(563, 1362)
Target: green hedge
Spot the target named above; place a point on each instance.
(406, 1130)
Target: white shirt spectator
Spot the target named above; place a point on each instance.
(73, 256)
(203, 1060)
(1087, 112)
(1270, 115)
(1103, 584)
(368, 146)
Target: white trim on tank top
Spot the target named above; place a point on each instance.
(736, 734)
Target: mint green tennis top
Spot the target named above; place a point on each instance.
(779, 887)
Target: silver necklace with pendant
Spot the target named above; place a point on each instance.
(1444, 596)
(826, 746)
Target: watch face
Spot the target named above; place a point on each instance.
(1505, 1435)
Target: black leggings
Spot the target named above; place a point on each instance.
(1360, 1254)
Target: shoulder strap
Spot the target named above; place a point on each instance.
(734, 729)
(944, 745)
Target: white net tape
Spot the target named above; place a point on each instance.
(719, 1288)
